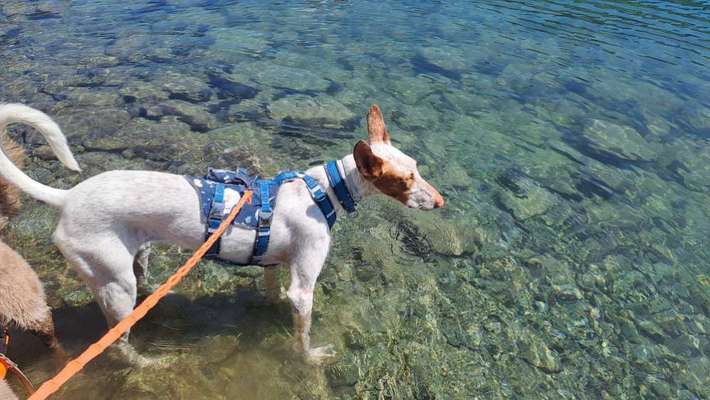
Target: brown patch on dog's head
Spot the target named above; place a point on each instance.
(381, 173)
(9, 194)
(370, 165)
(391, 171)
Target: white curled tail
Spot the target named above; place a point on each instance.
(21, 114)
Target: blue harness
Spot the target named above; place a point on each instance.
(213, 187)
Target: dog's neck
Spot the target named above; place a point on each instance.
(357, 185)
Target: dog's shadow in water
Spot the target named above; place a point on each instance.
(176, 325)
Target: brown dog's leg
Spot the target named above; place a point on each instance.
(45, 332)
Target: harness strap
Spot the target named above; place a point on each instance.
(265, 213)
(215, 218)
(321, 199)
(339, 187)
(263, 229)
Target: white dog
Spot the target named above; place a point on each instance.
(108, 221)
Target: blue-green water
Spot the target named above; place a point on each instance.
(571, 140)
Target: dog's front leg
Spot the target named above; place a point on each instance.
(304, 272)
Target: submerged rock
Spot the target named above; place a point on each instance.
(320, 110)
(94, 121)
(197, 116)
(696, 120)
(281, 77)
(183, 87)
(695, 376)
(142, 92)
(233, 41)
(525, 198)
(622, 142)
(445, 56)
(536, 352)
(567, 292)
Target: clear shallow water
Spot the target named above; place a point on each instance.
(571, 140)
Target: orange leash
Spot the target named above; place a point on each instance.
(74, 366)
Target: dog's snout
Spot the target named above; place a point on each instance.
(435, 195)
(439, 201)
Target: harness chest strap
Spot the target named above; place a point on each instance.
(215, 217)
(263, 229)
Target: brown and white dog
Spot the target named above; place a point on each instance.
(108, 221)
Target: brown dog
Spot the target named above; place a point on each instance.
(22, 304)
(23, 301)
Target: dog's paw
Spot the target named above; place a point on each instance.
(321, 355)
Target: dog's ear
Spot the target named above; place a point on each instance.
(376, 129)
(370, 165)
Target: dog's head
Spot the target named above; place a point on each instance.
(391, 171)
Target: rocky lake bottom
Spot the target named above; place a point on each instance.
(570, 139)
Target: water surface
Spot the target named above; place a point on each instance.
(570, 138)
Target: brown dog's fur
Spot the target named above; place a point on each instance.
(10, 195)
(22, 299)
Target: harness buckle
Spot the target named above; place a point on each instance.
(265, 217)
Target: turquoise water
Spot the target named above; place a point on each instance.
(571, 140)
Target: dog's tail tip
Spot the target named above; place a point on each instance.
(19, 113)
(72, 164)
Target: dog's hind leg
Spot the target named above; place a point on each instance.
(106, 264)
(305, 269)
(45, 332)
(140, 269)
